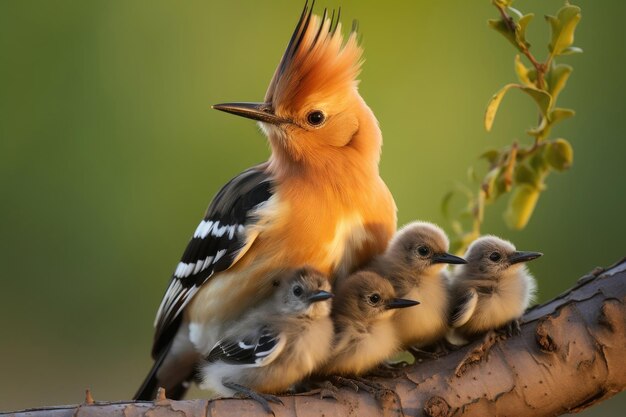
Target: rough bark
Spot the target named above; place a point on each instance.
(569, 356)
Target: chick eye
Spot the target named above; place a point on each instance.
(315, 118)
(423, 250)
(495, 256)
(297, 291)
(374, 298)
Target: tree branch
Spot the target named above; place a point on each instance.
(569, 356)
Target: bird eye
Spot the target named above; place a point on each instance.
(495, 256)
(315, 118)
(423, 250)
(374, 298)
(297, 291)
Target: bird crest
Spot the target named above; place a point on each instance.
(317, 62)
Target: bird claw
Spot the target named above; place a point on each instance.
(328, 390)
(383, 395)
(330, 387)
(356, 383)
(422, 354)
(371, 387)
(386, 398)
(510, 329)
(339, 381)
(386, 370)
(262, 399)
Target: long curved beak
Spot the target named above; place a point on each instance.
(447, 258)
(521, 256)
(320, 296)
(255, 111)
(400, 303)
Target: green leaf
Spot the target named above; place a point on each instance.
(479, 209)
(471, 174)
(557, 78)
(563, 27)
(503, 3)
(523, 72)
(524, 174)
(493, 104)
(522, 24)
(445, 205)
(492, 156)
(560, 154)
(501, 27)
(541, 98)
(559, 114)
(538, 161)
(521, 206)
(541, 130)
(489, 183)
(459, 190)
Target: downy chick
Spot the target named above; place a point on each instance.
(276, 344)
(414, 263)
(362, 315)
(492, 291)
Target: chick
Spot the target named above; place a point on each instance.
(414, 264)
(492, 291)
(277, 343)
(362, 315)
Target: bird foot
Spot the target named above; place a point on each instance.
(510, 329)
(328, 390)
(262, 399)
(422, 354)
(385, 397)
(432, 351)
(355, 384)
(389, 370)
(339, 381)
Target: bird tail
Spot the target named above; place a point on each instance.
(150, 385)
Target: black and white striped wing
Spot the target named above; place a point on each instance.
(219, 240)
(256, 350)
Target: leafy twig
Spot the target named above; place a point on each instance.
(517, 169)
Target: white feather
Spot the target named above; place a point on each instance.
(219, 254)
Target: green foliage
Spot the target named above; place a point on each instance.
(563, 27)
(521, 205)
(517, 170)
(542, 99)
(559, 154)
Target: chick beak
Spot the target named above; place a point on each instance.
(521, 256)
(447, 258)
(320, 296)
(400, 303)
(255, 111)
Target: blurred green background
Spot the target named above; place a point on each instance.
(109, 154)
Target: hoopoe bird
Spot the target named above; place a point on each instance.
(276, 344)
(362, 313)
(414, 263)
(491, 291)
(318, 201)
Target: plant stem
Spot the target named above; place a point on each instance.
(540, 67)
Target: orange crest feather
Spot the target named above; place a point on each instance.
(317, 62)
